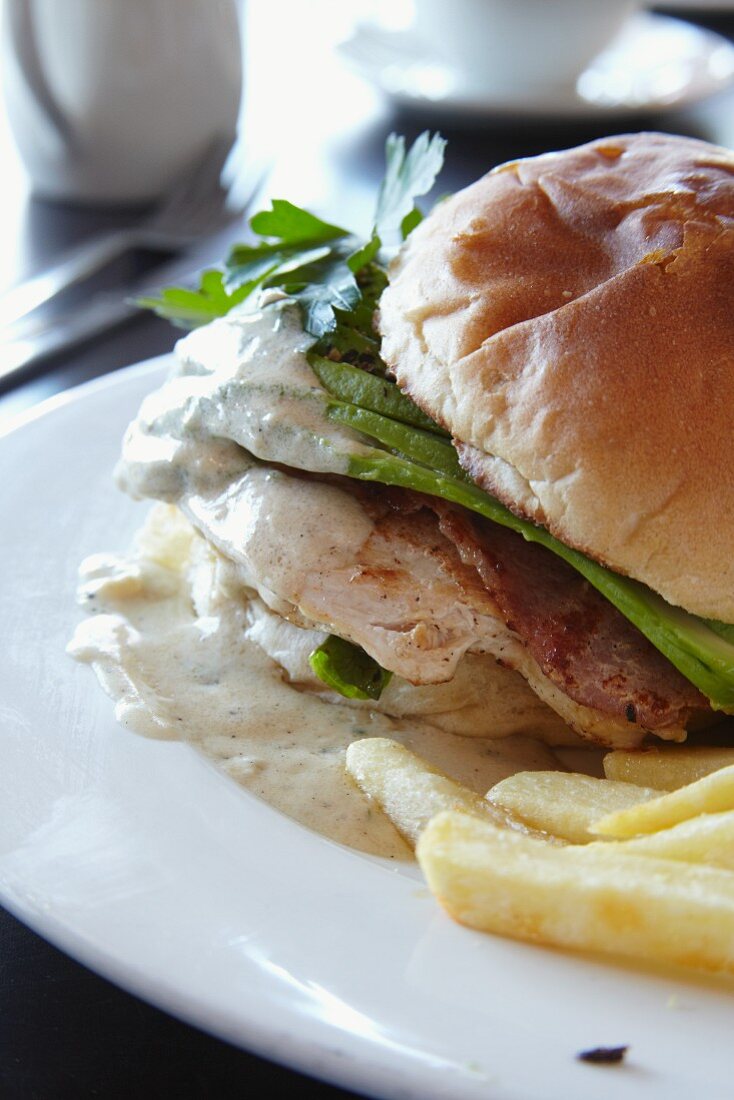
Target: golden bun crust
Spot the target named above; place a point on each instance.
(570, 318)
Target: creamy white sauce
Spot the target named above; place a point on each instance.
(276, 528)
(178, 634)
(241, 382)
(170, 637)
(243, 386)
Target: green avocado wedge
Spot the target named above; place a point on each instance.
(369, 391)
(347, 669)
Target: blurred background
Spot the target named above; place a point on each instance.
(117, 118)
(136, 138)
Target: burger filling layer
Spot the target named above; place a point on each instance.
(414, 581)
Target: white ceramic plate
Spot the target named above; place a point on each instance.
(655, 64)
(146, 863)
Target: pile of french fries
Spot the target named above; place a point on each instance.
(639, 864)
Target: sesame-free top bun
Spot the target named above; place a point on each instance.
(570, 318)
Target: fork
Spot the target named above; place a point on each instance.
(195, 208)
(33, 343)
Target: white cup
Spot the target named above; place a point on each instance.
(109, 100)
(506, 47)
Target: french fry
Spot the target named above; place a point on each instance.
(707, 839)
(712, 794)
(563, 804)
(666, 767)
(586, 898)
(408, 788)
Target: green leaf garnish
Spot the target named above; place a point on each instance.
(302, 259)
(407, 176)
(410, 221)
(191, 308)
(347, 669)
(350, 340)
(321, 286)
(252, 265)
(364, 255)
(291, 225)
(313, 261)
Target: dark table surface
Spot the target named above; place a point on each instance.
(64, 1032)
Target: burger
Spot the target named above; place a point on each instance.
(491, 479)
(568, 319)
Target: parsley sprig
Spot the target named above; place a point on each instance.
(331, 272)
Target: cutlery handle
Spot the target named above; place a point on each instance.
(78, 264)
(101, 313)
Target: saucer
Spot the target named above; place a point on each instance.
(656, 63)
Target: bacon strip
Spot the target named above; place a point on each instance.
(580, 641)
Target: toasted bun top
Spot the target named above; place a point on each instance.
(570, 318)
